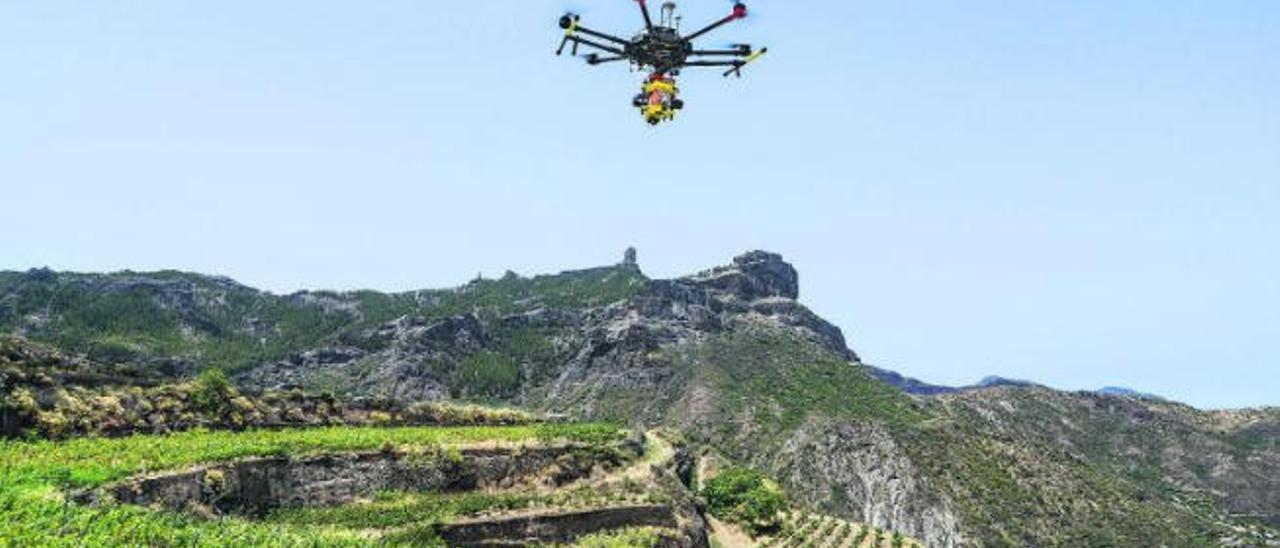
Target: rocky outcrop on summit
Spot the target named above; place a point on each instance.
(758, 284)
(618, 370)
(754, 275)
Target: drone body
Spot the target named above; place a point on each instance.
(661, 50)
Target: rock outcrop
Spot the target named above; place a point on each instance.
(591, 350)
(862, 472)
(754, 275)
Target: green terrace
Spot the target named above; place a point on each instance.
(37, 476)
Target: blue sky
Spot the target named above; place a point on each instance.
(1081, 193)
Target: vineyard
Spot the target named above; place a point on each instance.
(813, 530)
(40, 479)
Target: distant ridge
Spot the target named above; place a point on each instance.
(1128, 393)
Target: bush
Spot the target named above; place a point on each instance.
(745, 496)
(212, 392)
(112, 352)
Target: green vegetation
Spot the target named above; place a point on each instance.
(396, 509)
(128, 316)
(212, 392)
(841, 534)
(744, 496)
(861, 536)
(637, 537)
(532, 346)
(89, 462)
(423, 512)
(828, 528)
(34, 510)
(488, 374)
(1015, 494)
(773, 379)
(32, 405)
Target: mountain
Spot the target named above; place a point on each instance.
(919, 387)
(908, 384)
(1127, 392)
(730, 358)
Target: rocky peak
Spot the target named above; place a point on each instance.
(753, 275)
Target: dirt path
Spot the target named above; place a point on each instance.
(728, 535)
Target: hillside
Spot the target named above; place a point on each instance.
(728, 357)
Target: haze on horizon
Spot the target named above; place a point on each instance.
(1080, 194)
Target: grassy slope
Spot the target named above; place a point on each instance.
(34, 512)
(764, 382)
(1013, 485)
(1029, 464)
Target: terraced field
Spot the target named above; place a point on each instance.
(430, 486)
(814, 530)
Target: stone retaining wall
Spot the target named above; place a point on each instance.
(255, 486)
(558, 527)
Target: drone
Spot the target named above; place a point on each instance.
(662, 51)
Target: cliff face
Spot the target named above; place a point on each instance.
(733, 360)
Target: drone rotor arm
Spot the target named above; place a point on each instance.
(719, 53)
(600, 35)
(749, 59)
(734, 63)
(710, 28)
(739, 12)
(593, 59)
(644, 11)
(602, 47)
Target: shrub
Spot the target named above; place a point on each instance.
(380, 418)
(112, 351)
(746, 497)
(20, 400)
(212, 392)
(52, 423)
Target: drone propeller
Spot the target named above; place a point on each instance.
(752, 14)
(569, 20)
(737, 70)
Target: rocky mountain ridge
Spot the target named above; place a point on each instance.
(731, 359)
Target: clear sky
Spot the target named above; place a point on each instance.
(1081, 193)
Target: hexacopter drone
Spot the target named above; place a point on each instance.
(661, 50)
